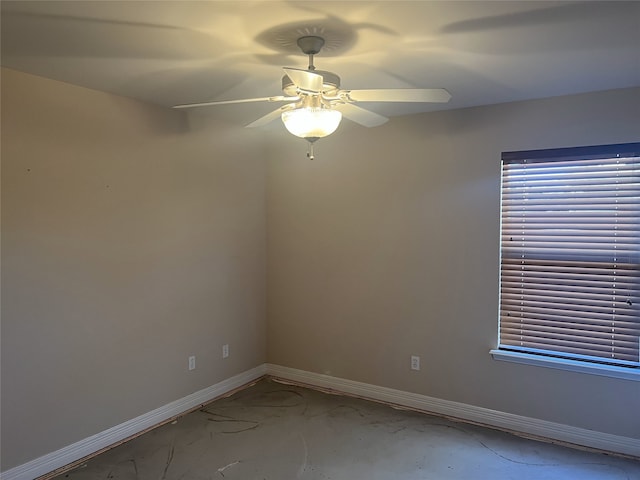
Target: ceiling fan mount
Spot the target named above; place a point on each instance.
(310, 44)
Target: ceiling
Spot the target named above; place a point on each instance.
(172, 52)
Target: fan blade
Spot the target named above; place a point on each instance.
(279, 98)
(360, 115)
(430, 95)
(271, 116)
(305, 80)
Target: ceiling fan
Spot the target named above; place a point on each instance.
(316, 103)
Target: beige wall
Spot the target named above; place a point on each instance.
(134, 236)
(386, 246)
(131, 239)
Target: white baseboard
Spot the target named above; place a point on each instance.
(505, 421)
(89, 446)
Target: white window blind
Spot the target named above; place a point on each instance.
(570, 253)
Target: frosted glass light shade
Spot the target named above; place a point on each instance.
(311, 122)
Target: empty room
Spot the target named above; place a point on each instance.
(320, 240)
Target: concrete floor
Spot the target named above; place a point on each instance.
(281, 432)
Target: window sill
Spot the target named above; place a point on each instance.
(570, 365)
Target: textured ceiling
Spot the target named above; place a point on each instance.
(167, 52)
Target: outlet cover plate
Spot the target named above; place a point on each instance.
(415, 362)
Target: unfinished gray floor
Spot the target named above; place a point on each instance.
(274, 431)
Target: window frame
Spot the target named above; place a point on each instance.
(545, 358)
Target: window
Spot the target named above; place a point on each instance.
(570, 255)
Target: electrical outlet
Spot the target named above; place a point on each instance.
(225, 351)
(415, 362)
(192, 363)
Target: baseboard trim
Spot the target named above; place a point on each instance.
(515, 423)
(505, 421)
(103, 440)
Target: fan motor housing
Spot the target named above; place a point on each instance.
(330, 84)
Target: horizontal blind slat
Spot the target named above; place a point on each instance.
(561, 267)
(575, 338)
(598, 329)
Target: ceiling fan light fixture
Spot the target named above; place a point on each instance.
(311, 122)
(320, 103)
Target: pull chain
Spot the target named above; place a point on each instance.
(310, 155)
